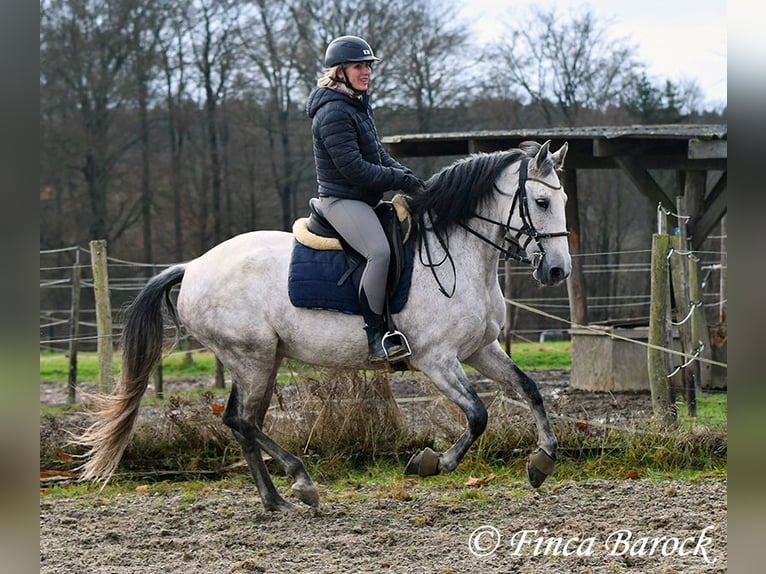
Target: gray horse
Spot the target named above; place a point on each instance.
(234, 299)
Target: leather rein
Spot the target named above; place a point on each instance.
(517, 249)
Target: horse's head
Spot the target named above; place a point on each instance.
(536, 219)
(510, 196)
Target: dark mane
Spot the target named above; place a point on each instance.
(457, 192)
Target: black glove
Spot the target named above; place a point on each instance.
(412, 185)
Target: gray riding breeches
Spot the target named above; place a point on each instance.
(359, 226)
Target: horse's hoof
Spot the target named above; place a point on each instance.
(281, 505)
(425, 462)
(539, 467)
(306, 493)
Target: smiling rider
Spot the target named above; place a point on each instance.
(354, 171)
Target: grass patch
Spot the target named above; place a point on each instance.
(539, 356)
(384, 480)
(54, 366)
(711, 412)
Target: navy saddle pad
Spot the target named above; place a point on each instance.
(315, 274)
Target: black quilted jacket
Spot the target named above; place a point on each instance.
(350, 160)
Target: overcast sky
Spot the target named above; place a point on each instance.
(676, 39)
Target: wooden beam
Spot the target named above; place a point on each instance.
(707, 149)
(576, 289)
(694, 199)
(643, 181)
(610, 147)
(675, 163)
(714, 209)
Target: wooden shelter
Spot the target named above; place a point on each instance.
(691, 151)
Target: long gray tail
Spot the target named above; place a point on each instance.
(115, 414)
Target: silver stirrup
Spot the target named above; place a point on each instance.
(404, 351)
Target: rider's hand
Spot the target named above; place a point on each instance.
(412, 185)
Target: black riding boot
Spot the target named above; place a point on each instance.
(395, 350)
(373, 325)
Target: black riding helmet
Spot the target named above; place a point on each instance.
(348, 49)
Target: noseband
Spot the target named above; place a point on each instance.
(517, 249)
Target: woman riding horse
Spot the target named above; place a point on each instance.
(353, 171)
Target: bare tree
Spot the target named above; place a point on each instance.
(272, 46)
(85, 46)
(567, 66)
(144, 26)
(432, 60)
(174, 67)
(212, 25)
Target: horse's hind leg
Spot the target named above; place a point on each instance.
(492, 362)
(244, 414)
(252, 453)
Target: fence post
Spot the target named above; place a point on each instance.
(689, 307)
(701, 370)
(103, 313)
(663, 408)
(220, 382)
(508, 306)
(74, 329)
(683, 309)
(159, 380)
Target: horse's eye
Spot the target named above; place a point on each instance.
(542, 203)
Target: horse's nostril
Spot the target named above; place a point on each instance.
(557, 273)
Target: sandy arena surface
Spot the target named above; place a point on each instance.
(416, 525)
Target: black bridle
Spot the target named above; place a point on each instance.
(513, 235)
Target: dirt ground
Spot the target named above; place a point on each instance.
(421, 525)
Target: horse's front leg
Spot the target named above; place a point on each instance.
(450, 379)
(492, 362)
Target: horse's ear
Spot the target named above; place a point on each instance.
(558, 156)
(542, 154)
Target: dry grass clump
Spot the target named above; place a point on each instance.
(344, 416)
(188, 437)
(341, 420)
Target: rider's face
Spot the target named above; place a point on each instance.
(358, 74)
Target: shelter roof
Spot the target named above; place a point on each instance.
(668, 146)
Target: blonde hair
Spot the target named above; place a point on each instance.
(329, 79)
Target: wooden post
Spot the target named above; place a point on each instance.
(159, 380)
(686, 308)
(722, 283)
(159, 385)
(698, 327)
(220, 383)
(508, 306)
(103, 314)
(578, 311)
(695, 185)
(683, 379)
(664, 411)
(74, 329)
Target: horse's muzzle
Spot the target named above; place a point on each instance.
(551, 273)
